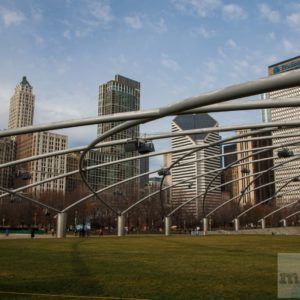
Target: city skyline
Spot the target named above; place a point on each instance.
(176, 49)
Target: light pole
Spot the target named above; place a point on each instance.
(34, 218)
(75, 220)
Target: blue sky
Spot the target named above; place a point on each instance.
(175, 48)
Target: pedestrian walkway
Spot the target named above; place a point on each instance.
(12, 236)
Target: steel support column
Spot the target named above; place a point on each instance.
(121, 222)
(263, 223)
(167, 226)
(61, 223)
(236, 224)
(283, 221)
(205, 226)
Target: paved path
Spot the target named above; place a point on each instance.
(12, 236)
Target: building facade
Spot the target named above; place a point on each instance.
(73, 182)
(230, 176)
(282, 174)
(119, 95)
(21, 113)
(245, 175)
(21, 107)
(198, 173)
(33, 144)
(252, 166)
(7, 154)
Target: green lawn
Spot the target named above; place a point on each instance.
(151, 267)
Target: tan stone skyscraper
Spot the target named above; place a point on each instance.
(21, 111)
(21, 105)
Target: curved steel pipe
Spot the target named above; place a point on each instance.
(250, 88)
(236, 197)
(290, 124)
(278, 209)
(268, 199)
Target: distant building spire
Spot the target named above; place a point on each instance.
(25, 81)
(21, 107)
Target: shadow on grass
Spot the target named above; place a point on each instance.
(67, 274)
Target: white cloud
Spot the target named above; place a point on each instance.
(81, 33)
(79, 136)
(169, 63)
(231, 43)
(267, 13)
(59, 111)
(160, 26)
(289, 47)
(201, 7)
(240, 65)
(294, 20)
(134, 22)
(67, 34)
(271, 35)
(119, 60)
(203, 32)
(37, 14)
(61, 69)
(11, 17)
(272, 59)
(221, 52)
(142, 21)
(211, 66)
(258, 70)
(122, 59)
(100, 10)
(234, 12)
(39, 40)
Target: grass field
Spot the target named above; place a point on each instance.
(151, 267)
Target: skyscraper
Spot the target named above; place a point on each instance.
(291, 191)
(21, 111)
(21, 107)
(231, 174)
(196, 172)
(119, 95)
(7, 153)
(262, 187)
